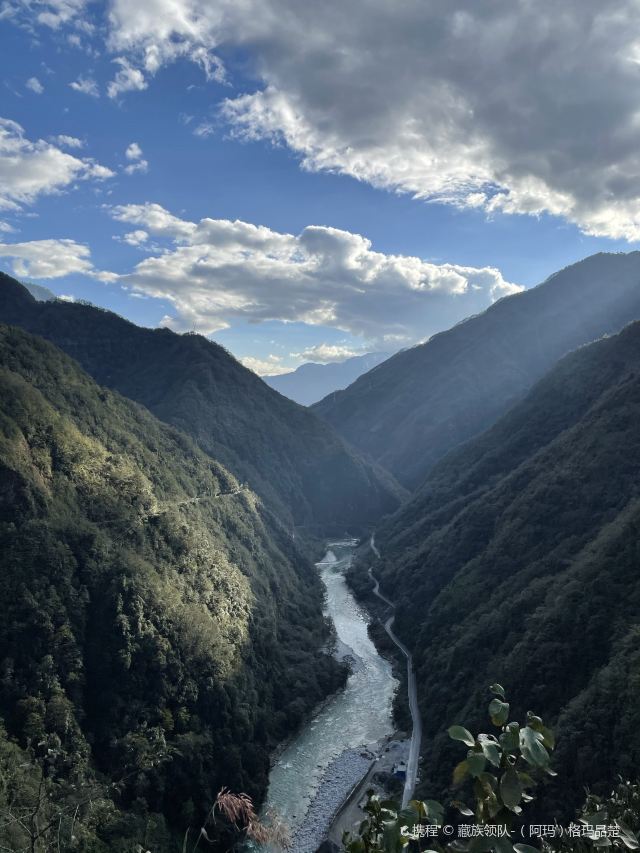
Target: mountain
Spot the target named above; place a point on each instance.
(42, 294)
(160, 633)
(517, 562)
(412, 409)
(291, 458)
(310, 382)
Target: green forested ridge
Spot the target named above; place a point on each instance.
(159, 633)
(409, 411)
(518, 560)
(292, 459)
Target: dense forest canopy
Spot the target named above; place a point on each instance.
(409, 411)
(292, 459)
(160, 632)
(518, 560)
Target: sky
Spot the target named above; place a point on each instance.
(304, 181)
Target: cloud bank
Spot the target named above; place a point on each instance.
(507, 106)
(216, 272)
(51, 259)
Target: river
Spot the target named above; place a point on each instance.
(357, 716)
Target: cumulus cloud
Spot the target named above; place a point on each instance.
(127, 79)
(154, 217)
(139, 166)
(55, 13)
(87, 86)
(137, 163)
(34, 85)
(68, 141)
(511, 106)
(327, 353)
(160, 31)
(29, 169)
(216, 272)
(508, 107)
(51, 259)
(48, 13)
(135, 238)
(133, 152)
(269, 366)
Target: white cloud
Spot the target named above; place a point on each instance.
(50, 259)
(269, 366)
(133, 152)
(141, 166)
(68, 141)
(216, 272)
(87, 86)
(509, 106)
(327, 353)
(204, 130)
(34, 85)
(127, 79)
(160, 31)
(154, 217)
(29, 169)
(48, 13)
(6, 228)
(138, 163)
(135, 238)
(55, 13)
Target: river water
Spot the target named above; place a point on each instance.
(358, 715)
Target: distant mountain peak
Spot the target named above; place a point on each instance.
(312, 381)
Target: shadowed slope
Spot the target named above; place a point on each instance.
(518, 562)
(157, 624)
(408, 412)
(291, 458)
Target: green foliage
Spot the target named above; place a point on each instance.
(519, 558)
(621, 809)
(297, 463)
(160, 632)
(504, 770)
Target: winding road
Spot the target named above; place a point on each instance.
(165, 507)
(416, 733)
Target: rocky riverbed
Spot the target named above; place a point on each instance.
(318, 768)
(341, 776)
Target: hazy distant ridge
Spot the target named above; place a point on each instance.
(310, 382)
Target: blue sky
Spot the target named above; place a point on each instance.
(306, 153)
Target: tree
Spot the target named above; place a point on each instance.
(503, 770)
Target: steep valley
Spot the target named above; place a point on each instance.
(517, 562)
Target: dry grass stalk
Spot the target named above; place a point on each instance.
(239, 811)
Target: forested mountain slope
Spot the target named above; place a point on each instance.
(290, 457)
(412, 409)
(519, 562)
(160, 633)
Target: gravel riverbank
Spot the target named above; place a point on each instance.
(339, 779)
